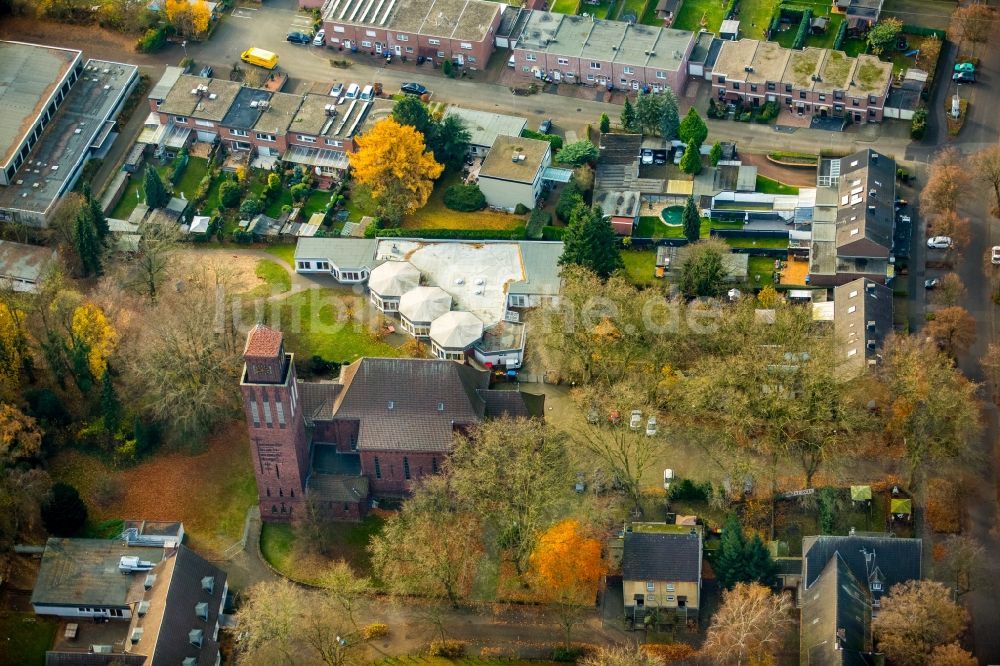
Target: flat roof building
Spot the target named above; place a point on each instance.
(484, 127)
(23, 266)
(55, 113)
(512, 172)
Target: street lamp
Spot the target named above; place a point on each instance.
(184, 45)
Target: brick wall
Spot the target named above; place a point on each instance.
(389, 477)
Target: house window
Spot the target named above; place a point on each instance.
(876, 586)
(267, 412)
(378, 469)
(562, 61)
(770, 87)
(470, 58)
(531, 57)
(590, 77)
(736, 85)
(872, 99)
(595, 65)
(334, 143)
(409, 49)
(265, 137)
(434, 465)
(338, 28)
(434, 42)
(627, 70)
(822, 97)
(204, 123)
(623, 81)
(722, 79)
(465, 45)
(402, 38)
(281, 492)
(180, 119)
(788, 87)
(306, 139)
(871, 113)
(856, 102)
(238, 132)
(852, 309)
(406, 468)
(369, 33)
(670, 587)
(802, 94)
(661, 75)
(305, 264)
(838, 94)
(280, 409)
(650, 586)
(440, 54)
(366, 43)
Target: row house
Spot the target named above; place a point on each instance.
(582, 49)
(195, 106)
(458, 30)
(258, 120)
(812, 81)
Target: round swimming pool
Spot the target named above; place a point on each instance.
(673, 215)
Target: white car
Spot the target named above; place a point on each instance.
(635, 420)
(320, 37)
(651, 426)
(668, 477)
(647, 156)
(939, 242)
(995, 254)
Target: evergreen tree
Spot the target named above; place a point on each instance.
(716, 153)
(409, 110)
(670, 120)
(93, 207)
(693, 129)
(591, 242)
(692, 221)
(64, 513)
(156, 191)
(730, 564)
(605, 123)
(648, 112)
(88, 245)
(760, 567)
(628, 116)
(111, 406)
(691, 160)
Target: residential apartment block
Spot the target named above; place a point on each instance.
(581, 49)
(808, 82)
(458, 30)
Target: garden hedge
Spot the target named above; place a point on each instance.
(461, 234)
(922, 31)
(800, 36)
(838, 43)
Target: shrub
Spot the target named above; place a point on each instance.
(553, 233)
(374, 631)
(63, 512)
(299, 192)
(667, 652)
(838, 42)
(153, 40)
(563, 654)
(745, 117)
(826, 505)
(555, 141)
(918, 125)
(540, 218)
(229, 194)
(569, 199)
(688, 490)
(449, 648)
(447, 68)
(464, 198)
(943, 506)
(179, 165)
(242, 237)
(800, 36)
(250, 207)
(520, 209)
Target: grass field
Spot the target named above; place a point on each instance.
(209, 491)
(752, 241)
(26, 638)
(762, 266)
(693, 12)
(284, 251)
(315, 203)
(636, 7)
(639, 266)
(346, 541)
(316, 321)
(754, 17)
(436, 216)
(767, 185)
(653, 227)
(276, 278)
(565, 6)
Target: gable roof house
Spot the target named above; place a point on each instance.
(662, 569)
(170, 597)
(836, 619)
(862, 319)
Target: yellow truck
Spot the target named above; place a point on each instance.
(260, 57)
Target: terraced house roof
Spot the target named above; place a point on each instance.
(468, 20)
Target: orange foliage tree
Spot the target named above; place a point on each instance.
(945, 179)
(201, 16)
(566, 566)
(954, 329)
(395, 168)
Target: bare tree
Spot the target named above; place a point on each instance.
(946, 178)
(345, 588)
(21, 495)
(620, 655)
(986, 165)
(972, 23)
(749, 626)
(963, 562)
(148, 269)
(954, 330)
(949, 292)
(915, 618)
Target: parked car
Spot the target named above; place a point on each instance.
(635, 420)
(939, 242)
(545, 127)
(352, 91)
(659, 157)
(932, 283)
(298, 38)
(651, 426)
(367, 94)
(320, 37)
(964, 77)
(647, 156)
(337, 90)
(413, 89)
(206, 72)
(995, 254)
(668, 477)
(964, 67)
(905, 218)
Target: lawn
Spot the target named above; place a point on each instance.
(753, 241)
(276, 278)
(639, 266)
(693, 11)
(196, 169)
(435, 215)
(345, 541)
(767, 185)
(754, 17)
(635, 7)
(209, 491)
(762, 266)
(26, 638)
(316, 203)
(600, 10)
(854, 46)
(565, 6)
(653, 227)
(826, 40)
(283, 251)
(317, 321)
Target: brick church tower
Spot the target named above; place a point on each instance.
(278, 442)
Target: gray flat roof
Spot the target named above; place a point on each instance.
(245, 109)
(278, 115)
(24, 262)
(67, 138)
(84, 572)
(344, 252)
(499, 163)
(484, 127)
(343, 120)
(468, 20)
(29, 76)
(541, 268)
(166, 82)
(211, 104)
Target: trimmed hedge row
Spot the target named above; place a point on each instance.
(553, 233)
(800, 36)
(838, 43)
(922, 31)
(462, 234)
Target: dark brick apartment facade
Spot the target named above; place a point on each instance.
(376, 430)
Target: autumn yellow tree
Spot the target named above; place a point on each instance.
(180, 15)
(394, 167)
(201, 16)
(566, 567)
(20, 437)
(12, 349)
(94, 335)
